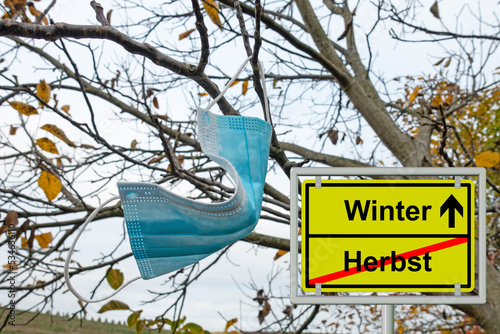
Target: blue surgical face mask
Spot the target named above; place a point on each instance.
(167, 231)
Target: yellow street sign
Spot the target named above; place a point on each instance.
(388, 235)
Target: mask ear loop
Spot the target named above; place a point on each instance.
(267, 114)
(70, 254)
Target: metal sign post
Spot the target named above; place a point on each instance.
(387, 319)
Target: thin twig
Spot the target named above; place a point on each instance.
(99, 13)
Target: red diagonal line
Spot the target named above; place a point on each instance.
(406, 256)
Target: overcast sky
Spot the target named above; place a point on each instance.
(220, 292)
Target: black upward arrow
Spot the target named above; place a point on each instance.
(451, 205)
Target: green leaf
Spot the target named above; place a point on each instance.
(115, 278)
(113, 305)
(139, 327)
(177, 324)
(133, 319)
(193, 328)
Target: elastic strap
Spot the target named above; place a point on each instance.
(70, 254)
(267, 114)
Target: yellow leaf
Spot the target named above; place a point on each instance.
(133, 144)
(24, 242)
(133, 318)
(65, 108)
(115, 278)
(437, 100)
(24, 108)
(185, 34)
(235, 82)
(7, 15)
(58, 133)
(47, 145)
(279, 254)
(203, 94)
(448, 100)
(44, 239)
(43, 91)
(50, 185)
(212, 9)
(487, 159)
(230, 323)
(415, 93)
(11, 266)
(112, 306)
(244, 87)
(36, 13)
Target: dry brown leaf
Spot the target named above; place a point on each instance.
(212, 8)
(244, 87)
(359, 140)
(185, 34)
(334, 136)
(44, 239)
(17, 4)
(448, 62)
(487, 159)
(11, 220)
(156, 159)
(65, 108)
(108, 16)
(43, 92)
(435, 10)
(181, 161)
(50, 185)
(24, 108)
(11, 266)
(13, 130)
(155, 103)
(264, 312)
(47, 145)
(133, 144)
(439, 62)
(58, 133)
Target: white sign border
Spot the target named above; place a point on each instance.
(295, 298)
